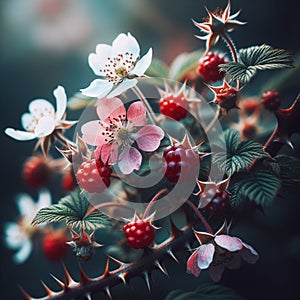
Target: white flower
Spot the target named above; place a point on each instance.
(18, 235)
(119, 65)
(42, 120)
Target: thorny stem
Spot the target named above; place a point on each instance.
(233, 51)
(200, 216)
(152, 202)
(141, 96)
(107, 204)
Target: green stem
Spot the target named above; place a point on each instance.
(200, 216)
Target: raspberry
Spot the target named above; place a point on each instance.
(139, 234)
(94, 176)
(250, 105)
(36, 171)
(69, 181)
(208, 67)
(216, 199)
(174, 106)
(271, 100)
(54, 245)
(179, 162)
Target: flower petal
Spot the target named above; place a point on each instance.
(22, 255)
(40, 108)
(19, 134)
(44, 127)
(126, 43)
(125, 85)
(44, 200)
(109, 153)
(205, 255)
(110, 108)
(14, 237)
(249, 254)
(215, 272)
(129, 160)
(61, 102)
(97, 61)
(148, 138)
(98, 88)
(28, 121)
(25, 205)
(92, 133)
(143, 64)
(234, 262)
(192, 264)
(136, 114)
(229, 243)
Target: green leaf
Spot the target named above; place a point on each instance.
(205, 292)
(260, 186)
(79, 101)
(158, 69)
(71, 210)
(289, 167)
(184, 63)
(255, 58)
(238, 155)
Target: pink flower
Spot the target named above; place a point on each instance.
(217, 252)
(116, 131)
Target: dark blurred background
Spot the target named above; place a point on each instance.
(46, 42)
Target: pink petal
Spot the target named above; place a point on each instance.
(136, 114)
(192, 264)
(229, 243)
(148, 138)
(108, 152)
(215, 272)
(235, 262)
(129, 160)
(206, 255)
(92, 133)
(249, 254)
(110, 108)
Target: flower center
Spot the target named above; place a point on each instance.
(118, 67)
(123, 134)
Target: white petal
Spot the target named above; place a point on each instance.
(205, 255)
(44, 199)
(143, 64)
(14, 238)
(45, 127)
(19, 134)
(126, 43)
(25, 205)
(98, 88)
(61, 102)
(40, 108)
(97, 61)
(28, 121)
(122, 87)
(22, 255)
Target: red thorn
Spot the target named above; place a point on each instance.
(106, 271)
(60, 283)
(68, 278)
(48, 291)
(116, 260)
(122, 276)
(84, 279)
(26, 296)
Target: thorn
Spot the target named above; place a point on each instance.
(147, 280)
(68, 278)
(48, 291)
(108, 292)
(83, 277)
(122, 277)
(61, 284)
(188, 246)
(175, 231)
(88, 296)
(106, 271)
(27, 296)
(169, 251)
(120, 263)
(160, 267)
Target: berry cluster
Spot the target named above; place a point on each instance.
(174, 106)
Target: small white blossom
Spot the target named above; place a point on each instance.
(119, 64)
(18, 235)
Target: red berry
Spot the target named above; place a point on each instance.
(94, 176)
(54, 245)
(139, 234)
(36, 171)
(69, 181)
(216, 199)
(208, 67)
(174, 106)
(180, 162)
(250, 105)
(271, 100)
